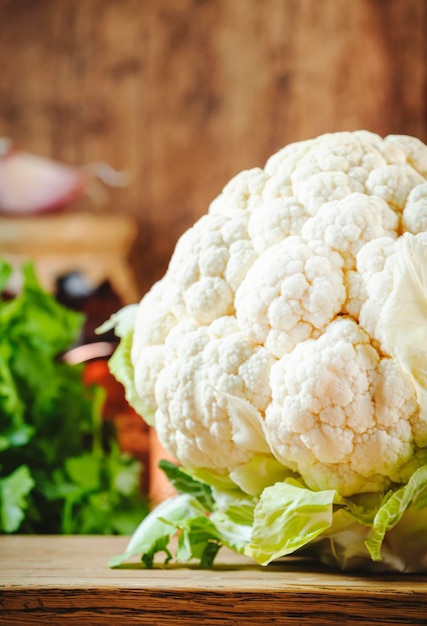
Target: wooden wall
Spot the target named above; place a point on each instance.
(183, 94)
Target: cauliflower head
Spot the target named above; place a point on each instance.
(277, 329)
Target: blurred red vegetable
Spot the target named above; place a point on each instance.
(32, 184)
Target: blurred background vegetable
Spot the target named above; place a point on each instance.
(61, 466)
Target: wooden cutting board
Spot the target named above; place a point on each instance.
(66, 580)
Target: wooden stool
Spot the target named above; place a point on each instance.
(96, 245)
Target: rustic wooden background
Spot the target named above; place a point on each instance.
(183, 94)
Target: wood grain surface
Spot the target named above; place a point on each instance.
(183, 95)
(66, 580)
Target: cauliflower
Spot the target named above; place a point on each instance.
(341, 415)
(283, 346)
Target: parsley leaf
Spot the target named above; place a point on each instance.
(61, 470)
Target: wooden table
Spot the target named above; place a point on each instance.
(66, 580)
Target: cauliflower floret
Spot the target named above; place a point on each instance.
(280, 167)
(274, 221)
(413, 148)
(345, 226)
(339, 414)
(204, 366)
(154, 320)
(356, 294)
(414, 218)
(208, 264)
(327, 168)
(290, 293)
(323, 187)
(277, 187)
(372, 258)
(336, 165)
(348, 224)
(375, 265)
(393, 183)
(242, 194)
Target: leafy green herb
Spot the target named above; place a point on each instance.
(61, 471)
(13, 491)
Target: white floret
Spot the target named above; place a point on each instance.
(208, 264)
(154, 318)
(346, 225)
(375, 266)
(242, 194)
(336, 165)
(414, 150)
(372, 258)
(277, 187)
(204, 366)
(153, 322)
(274, 221)
(356, 293)
(322, 187)
(394, 183)
(340, 415)
(290, 293)
(414, 218)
